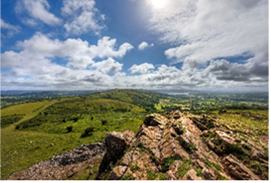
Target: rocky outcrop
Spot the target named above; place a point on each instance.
(184, 148)
(237, 170)
(116, 143)
(63, 166)
(176, 147)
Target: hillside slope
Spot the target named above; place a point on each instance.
(144, 99)
(59, 126)
(170, 147)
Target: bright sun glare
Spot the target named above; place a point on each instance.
(158, 3)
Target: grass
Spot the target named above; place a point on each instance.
(48, 134)
(22, 109)
(8, 120)
(162, 176)
(210, 164)
(166, 163)
(134, 168)
(243, 123)
(190, 148)
(184, 168)
(128, 177)
(19, 149)
(151, 175)
(32, 144)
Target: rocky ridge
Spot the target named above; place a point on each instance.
(170, 147)
(184, 148)
(65, 165)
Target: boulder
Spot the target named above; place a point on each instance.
(117, 173)
(116, 143)
(256, 154)
(208, 174)
(225, 137)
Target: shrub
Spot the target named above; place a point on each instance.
(104, 122)
(166, 163)
(88, 132)
(69, 128)
(183, 169)
(134, 168)
(162, 177)
(151, 175)
(128, 177)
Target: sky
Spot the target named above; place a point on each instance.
(205, 45)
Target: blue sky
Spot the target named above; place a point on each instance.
(144, 44)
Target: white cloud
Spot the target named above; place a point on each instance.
(83, 17)
(106, 48)
(5, 25)
(11, 29)
(210, 29)
(142, 68)
(79, 54)
(50, 63)
(37, 10)
(108, 66)
(144, 45)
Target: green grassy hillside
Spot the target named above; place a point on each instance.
(143, 99)
(61, 125)
(36, 131)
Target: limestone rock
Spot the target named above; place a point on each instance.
(256, 154)
(237, 169)
(117, 172)
(208, 174)
(116, 143)
(191, 175)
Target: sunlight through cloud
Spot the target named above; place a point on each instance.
(158, 4)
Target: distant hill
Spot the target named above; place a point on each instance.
(141, 98)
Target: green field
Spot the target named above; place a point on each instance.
(43, 133)
(23, 108)
(35, 131)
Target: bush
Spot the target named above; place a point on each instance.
(88, 132)
(151, 175)
(69, 128)
(167, 162)
(128, 177)
(8, 120)
(162, 177)
(104, 122)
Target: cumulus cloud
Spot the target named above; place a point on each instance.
(83, 17)
(142, 68)
(208, 29)
(144, 45)
(108, 66)
(78, 53)
(37, 10)
(106, 48)
(42, 61)
(224, 70)
(205, 30)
